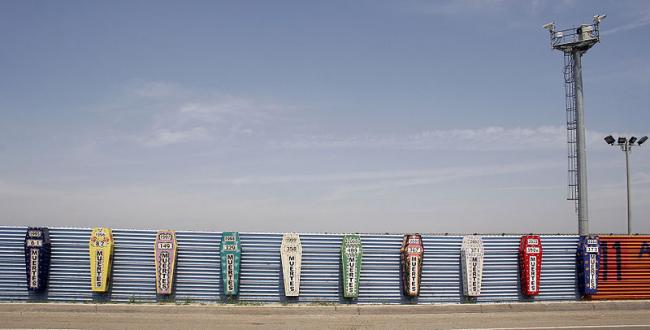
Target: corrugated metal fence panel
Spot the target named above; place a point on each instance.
(501, 269)
(13, 285)
(69, 269)
(441, 277)
(198, 267)
(558, 278)
(625, 267)
(198, 280)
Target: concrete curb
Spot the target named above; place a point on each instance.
(276, 309)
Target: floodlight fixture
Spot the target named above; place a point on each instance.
(626, 145)
(550, 26)
(599, 18)
(641, 140)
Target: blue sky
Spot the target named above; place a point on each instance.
(372, 116)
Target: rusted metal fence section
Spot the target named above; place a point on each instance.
(625, 267)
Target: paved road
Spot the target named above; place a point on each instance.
(375, 317)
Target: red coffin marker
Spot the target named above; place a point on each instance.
(530, 264)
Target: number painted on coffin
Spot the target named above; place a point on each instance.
(471, 256)
(412, 255)
(37, 258)
(530, 264)
(101, 257)
(588, 264)
(230, 262)
(165, 253)
(351, 259)
(291, 257)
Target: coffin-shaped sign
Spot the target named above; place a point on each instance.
(471, 258)
(588, 264)
(530, 264)
(291, 256)
(165, 254)
(412, 255)
(101, 257)
(230, 262)
(37, 258)
(351, 258)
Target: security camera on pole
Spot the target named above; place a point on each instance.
(626, 146)
(574, 43)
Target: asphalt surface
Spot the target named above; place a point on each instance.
(575, 315)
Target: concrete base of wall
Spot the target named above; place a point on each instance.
(569, 315)
(316, 309)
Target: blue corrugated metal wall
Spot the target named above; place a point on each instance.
(197, 277)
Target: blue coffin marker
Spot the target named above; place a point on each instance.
(37, 258)
(588, 264)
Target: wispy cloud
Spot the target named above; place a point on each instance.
(163, 137)
(489, 7)
(156, 90)
(452, 7)
(533, 188)
(412, 176)
(485, 138)
(224, 109)
(439, 176)
(639, 22)
(180, 115)
(344, 184)
(161, 114)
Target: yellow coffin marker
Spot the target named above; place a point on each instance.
(101, 257)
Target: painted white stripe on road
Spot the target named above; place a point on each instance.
(611, 326)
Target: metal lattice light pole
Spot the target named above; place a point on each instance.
(574, 43)
(626, 146)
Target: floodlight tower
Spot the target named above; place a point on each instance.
(626, 145)
(574, 43)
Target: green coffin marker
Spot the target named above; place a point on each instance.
(351, 254)
(230, 262)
